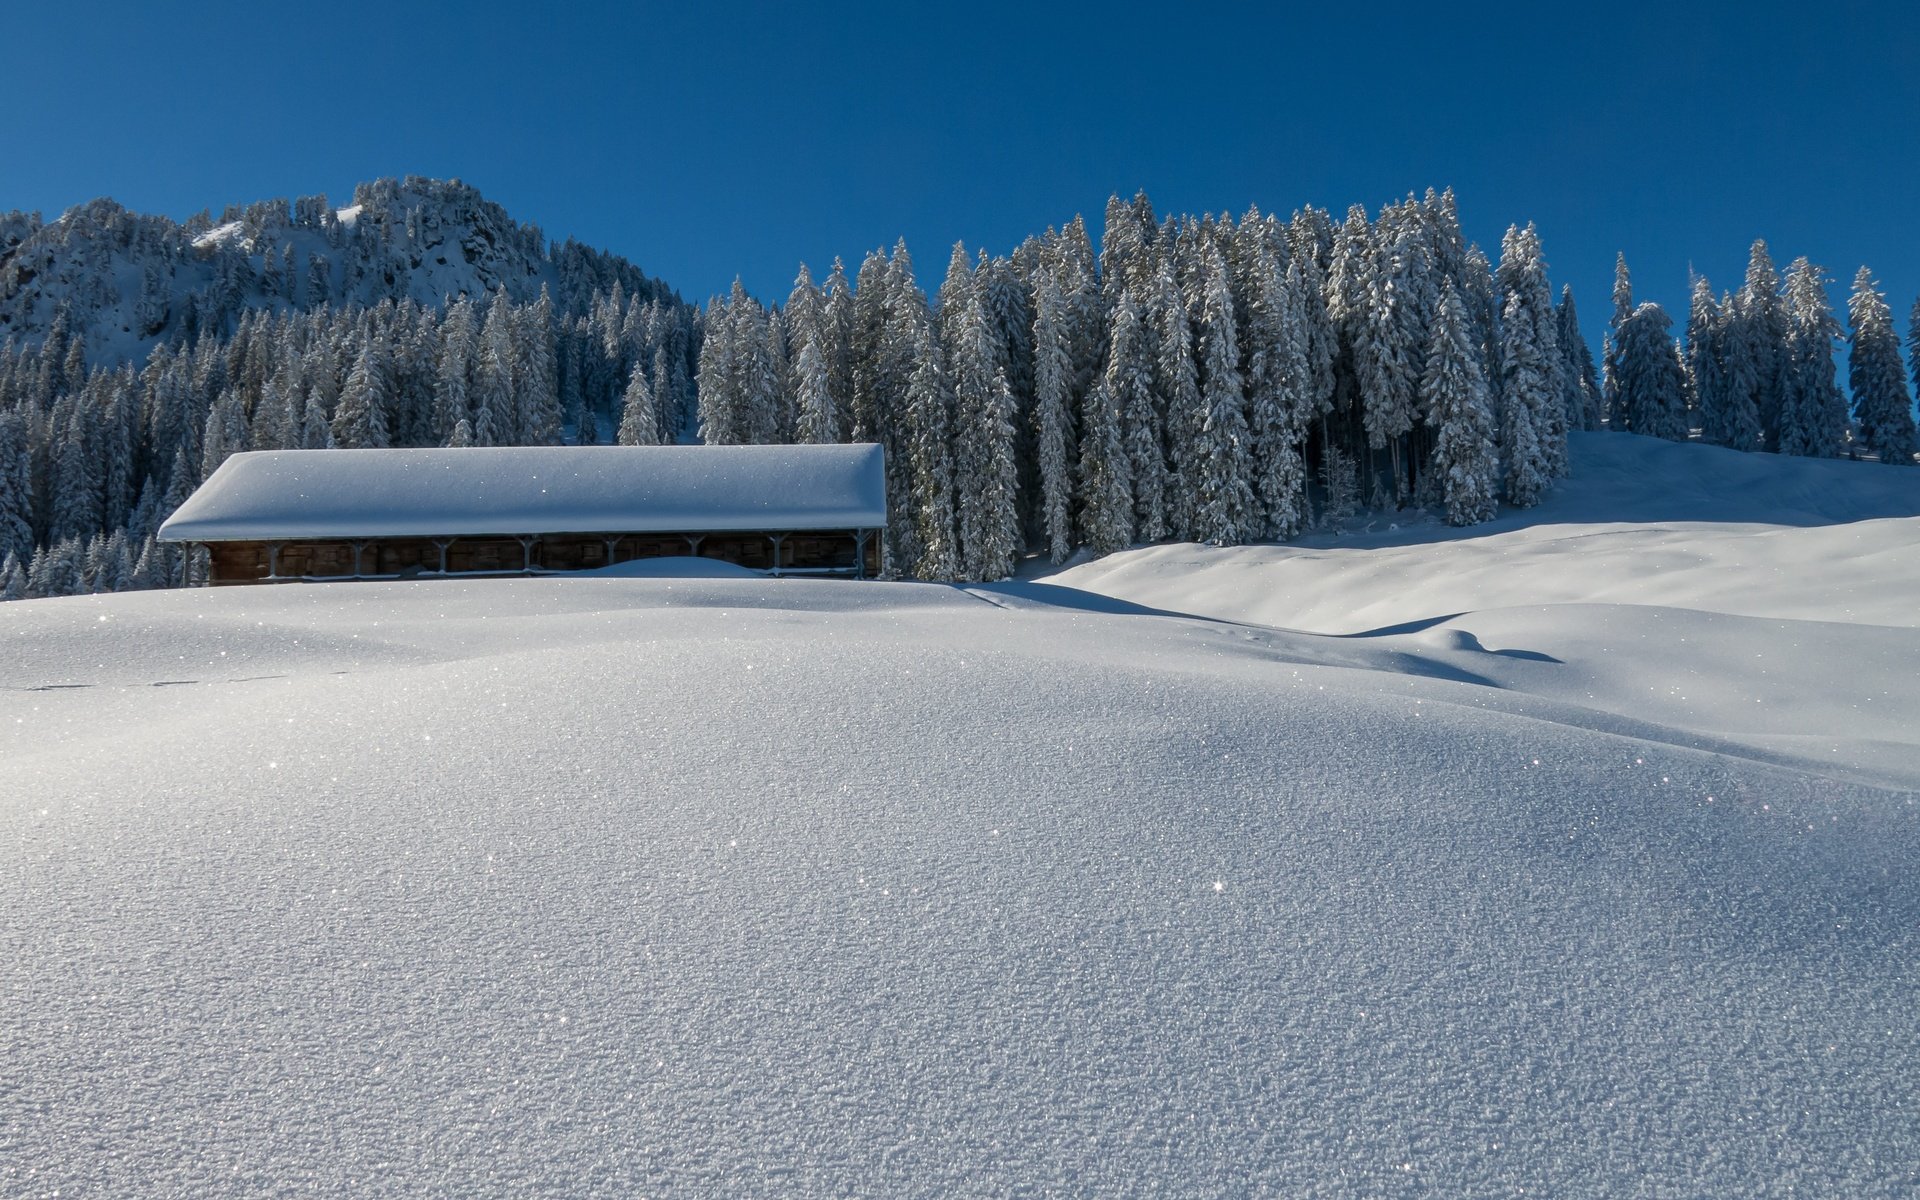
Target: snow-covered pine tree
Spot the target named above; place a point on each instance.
(316, 431)
(1129, 379)
(1177, 388)
(462, 436)
(817, 419)
(1610, 346)
(1758, 307)
(1053, 412)
(837, 314)
(1882, 406)
(495, 408)
(13, 578)
(1704, 354)
(987, 517)
(16, 486)
(1225, 507)
(1813, 413)
(1650, 386)
(1738, 425)
(929, 447)
(1390, 339)
(868, 330)
(1106, 491)
(1454, 395)
(1533, 413)
(1582, 389)
(361, 420)
(639, 416)
(536, 382)
(1277, 379)
(720, 422)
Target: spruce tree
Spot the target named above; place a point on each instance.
(1533, 430)
(987, 514)
(1053, 414)
(1723, 365)
(495, 409)
(1813, 413)
(1177, 384)
(361, 420)
(1454, 395)
(1882, 406)
(1129, 379)
(1758, 308)
(1610, 348)
(1225, 507)
(639, 416)
(1582, 389)
(1650, 395)
(929, 421)
(1106, 491)
(817, 420)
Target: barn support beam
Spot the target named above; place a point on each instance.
(357, 548)
(441, 545)
(778, 541)
(273, 559)
(526, 554)
(612, 543)
(693, 543)
(860, 554)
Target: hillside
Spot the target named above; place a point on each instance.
(128, 281)
(741, 886)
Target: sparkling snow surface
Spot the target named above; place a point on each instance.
(568, 887)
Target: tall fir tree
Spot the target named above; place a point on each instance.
(929, 445)
(1650, 392)
(1225, 506)
(987, 519)
(1454, 395)
(1610, 348)
(1053, 413)
(639, 417)
(1813, 413)
(1129, 379)
(1759, 309)
(1882, 406)
(1533, 430)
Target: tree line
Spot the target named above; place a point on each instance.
(1195, 378)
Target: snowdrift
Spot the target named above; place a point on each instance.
(576, 886)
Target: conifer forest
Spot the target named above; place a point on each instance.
(1203, 379)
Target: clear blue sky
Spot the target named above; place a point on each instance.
(705, 141)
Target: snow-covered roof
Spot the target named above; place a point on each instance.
(285, 494)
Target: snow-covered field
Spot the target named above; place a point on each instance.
(1561, 858)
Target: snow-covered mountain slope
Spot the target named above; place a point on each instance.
(127, 281)
(731, 887)
(1641, 521)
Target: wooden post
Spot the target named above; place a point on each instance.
(526, 554)
(357, 547)
(273, 560)
(611, 543)
(693, 543)
(441, 545)
(860, 554)
(778, 540)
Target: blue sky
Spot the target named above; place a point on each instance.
(705, 141)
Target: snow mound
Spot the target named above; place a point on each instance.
(672, 567)
(814, 888)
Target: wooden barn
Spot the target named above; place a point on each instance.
(279, 516)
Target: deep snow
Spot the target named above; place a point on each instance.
(578, 886)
